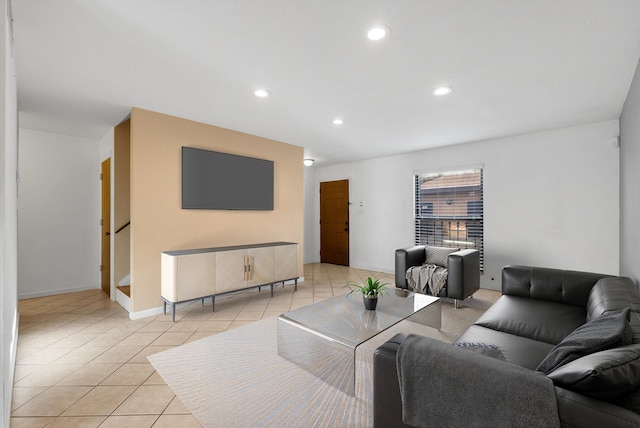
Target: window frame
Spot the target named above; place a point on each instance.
(443, 219)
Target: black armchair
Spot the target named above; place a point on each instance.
(464, 271)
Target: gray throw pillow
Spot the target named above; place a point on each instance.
(605, 374)
(438, 255)
(608, 331)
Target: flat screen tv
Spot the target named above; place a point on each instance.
(221, 181)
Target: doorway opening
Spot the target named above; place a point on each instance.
(105, 226)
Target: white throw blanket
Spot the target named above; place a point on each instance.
(427, 279)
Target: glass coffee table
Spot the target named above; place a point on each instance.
(322, 338)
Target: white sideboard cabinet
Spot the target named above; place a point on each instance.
(207, 272)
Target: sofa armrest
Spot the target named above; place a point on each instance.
(387, 404)
(574, 410)
(612, 294)
(406, 258)
(577, 410)
(433, 373)
(464, 274)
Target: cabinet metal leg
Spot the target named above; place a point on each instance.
(164, 308)
(295, 287)
(213, 303)
(271, 290)
(173, 316)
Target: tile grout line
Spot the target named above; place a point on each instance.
(321, 282)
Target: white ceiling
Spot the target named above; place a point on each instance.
(516, 66)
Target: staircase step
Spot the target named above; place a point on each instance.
(126, 289)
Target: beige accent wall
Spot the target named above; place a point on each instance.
(159, 224)
(121, 198)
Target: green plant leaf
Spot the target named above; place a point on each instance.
(370, 287)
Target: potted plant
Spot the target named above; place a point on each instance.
(370, 289)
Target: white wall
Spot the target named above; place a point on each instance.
(106, 145)
(550, 199)
(8, 215)
(630, 183)
(58, 220)
(310, 255)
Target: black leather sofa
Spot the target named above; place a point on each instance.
(463, 277)
(538, 308)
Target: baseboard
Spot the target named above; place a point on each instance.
(8, 382)
(35, 294)
(146, 313)
(123, 300)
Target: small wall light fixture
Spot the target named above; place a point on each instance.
(308, 161)
(378, 32)
(442, 90)
(262, 93)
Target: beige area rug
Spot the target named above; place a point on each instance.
(237, 379)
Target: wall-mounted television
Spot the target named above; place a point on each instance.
(222, 181)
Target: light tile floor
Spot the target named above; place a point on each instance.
(81, 362)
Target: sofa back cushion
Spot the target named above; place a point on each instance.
(544, 321)
(555, 285)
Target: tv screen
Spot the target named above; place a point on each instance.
(221, 181)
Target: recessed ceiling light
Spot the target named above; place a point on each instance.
(443, 90)
(338, 121)
(262, 93)
(378, 32)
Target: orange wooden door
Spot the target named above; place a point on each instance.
(334, 222)
(105, 226)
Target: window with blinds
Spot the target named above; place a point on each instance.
(449, 210)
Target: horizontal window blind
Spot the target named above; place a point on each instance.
(449, 210)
